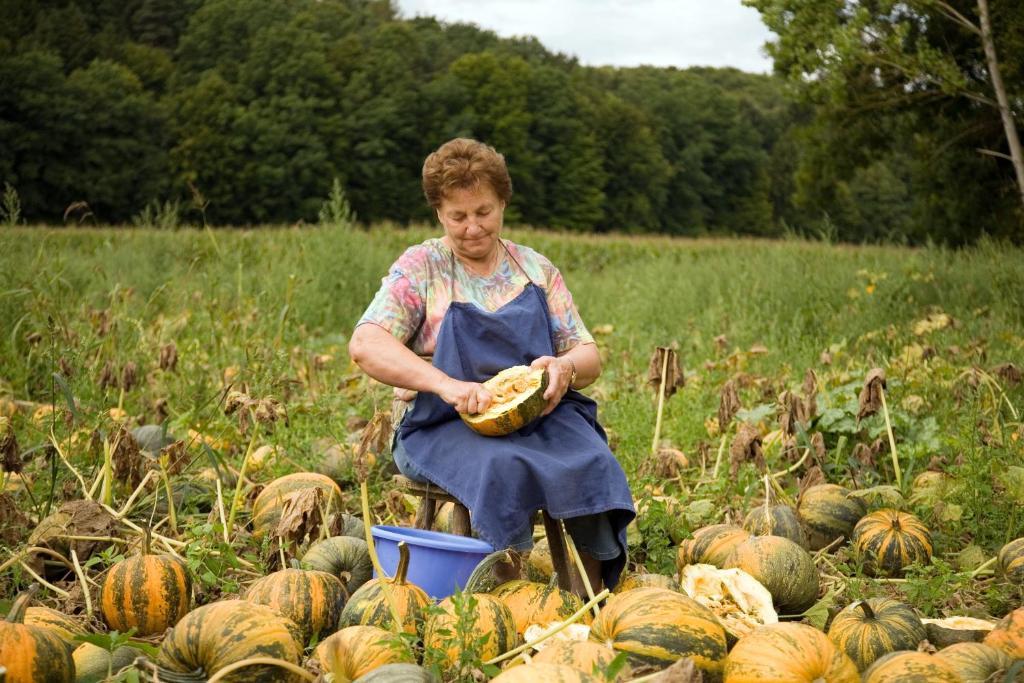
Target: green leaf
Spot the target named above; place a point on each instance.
(1013, 480)
(817, 614)
(68, 396)
(756, 414)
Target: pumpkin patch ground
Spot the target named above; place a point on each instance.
(836, 491)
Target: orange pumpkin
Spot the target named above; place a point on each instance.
(358, 650)
(64, 625)
(710, 545)
(975, 662)
(269, 504)
(312, 599)
(888, 541)
(1008, 635)
(494, 621)
(911, 667)
(149, 593)
(370, 605)
(585, 656)
(788, 653)
(32, 654)
(534, 603)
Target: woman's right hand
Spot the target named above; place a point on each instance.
(466, 397)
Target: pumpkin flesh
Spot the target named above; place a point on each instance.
(517, 399)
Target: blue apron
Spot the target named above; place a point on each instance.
(560, 463)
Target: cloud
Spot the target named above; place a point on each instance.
(678, 33)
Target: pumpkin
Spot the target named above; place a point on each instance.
(370, 606)
(710, 545)
(781, 566)
(312, 599)
(1008, 635)
(345, 557)
(544, 673)
(517, 399)
(951, 630)
(929, 488)
(975, 662)
(736, 598)
(910, 667)
(655, 626)
(585, 656)
(64, 625)
(32, 654)
(1011, 561)
(788, 653)
(631, 581)
(535, 603)
(539, 566)
(148, 593)
(828, 513)
(775, 520)
(93, 663)
(870, 628)
(214, 636)
(269, 504)
(493, 620)
(888, 541)
(358, 650)
(398, 673)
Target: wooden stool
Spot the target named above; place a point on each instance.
(430, 495)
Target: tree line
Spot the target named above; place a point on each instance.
(235, 112)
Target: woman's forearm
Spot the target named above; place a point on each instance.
(587, 360)
(387, 360)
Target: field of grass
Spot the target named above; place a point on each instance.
(270, 311)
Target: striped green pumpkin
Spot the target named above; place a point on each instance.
(269, 504)
(781, 566)
(32, 654)
(494, 621)
(655, 626)
(213, 636)
(911, 667)
(369, 605)
(870, 628)
(398, 673)
(346, 557)
(710, 545)
(544, 673)
(148, 593)
(634, 581)
(1011, 561)
(536, 603)
(358, 650)
(828, 513)
(775, 520)
(312, 599)
(975, 662)
(92, 662)
(64, 625)
(788, 653)
(887, 541)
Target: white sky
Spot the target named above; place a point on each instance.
(678, 33)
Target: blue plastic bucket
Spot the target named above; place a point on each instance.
(438, 562)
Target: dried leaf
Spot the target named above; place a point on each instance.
(107, 376)
(746, 447)
(236, 400)
(810, 402)
(870, 399)
(667, 463)
(13, 524)
(302, 515)
(374, 443)
(665, 357)
(682, 671)
(818, 451)
(169, 357)
(863, 454)
(10, 454)
(728, 405)
(1009, 373)
(758, 349)
(268, 411)
(85, 518)
(129, 376)
(129, 463)
(177, 457)
(813, 477)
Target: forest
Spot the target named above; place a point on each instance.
(878, 124)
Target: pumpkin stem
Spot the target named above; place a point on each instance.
(17, 613)
(866, 608)
(147, 539)
(403, 564)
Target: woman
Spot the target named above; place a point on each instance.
(477, 304)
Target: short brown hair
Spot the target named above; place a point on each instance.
(464, 163)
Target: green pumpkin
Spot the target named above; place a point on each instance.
(828, 513)
(775, 520)
(92, 663)
(1011, 561)
(398, 673)
(783, 567)
(976, 662)
(370, 606)
(345, 557)
(868, 629)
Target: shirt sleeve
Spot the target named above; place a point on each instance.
(567, 327)
(399, 305)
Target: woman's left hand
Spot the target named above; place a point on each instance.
(559, 375)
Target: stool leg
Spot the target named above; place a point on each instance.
(568, 577)
(425, 513)
(460, 520)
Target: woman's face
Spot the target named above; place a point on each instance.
(472, 220)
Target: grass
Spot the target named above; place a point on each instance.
(273, 308)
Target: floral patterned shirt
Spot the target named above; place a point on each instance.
(415, 294)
